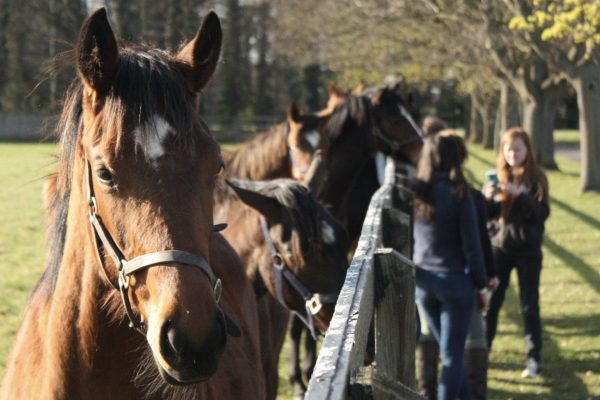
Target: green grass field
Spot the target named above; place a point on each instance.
(570, 289)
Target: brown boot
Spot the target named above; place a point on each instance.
(428, 353)
(476, 364)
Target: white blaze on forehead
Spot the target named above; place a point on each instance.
(154, 147)
(313, 138)
(410, 119)
(328, 232)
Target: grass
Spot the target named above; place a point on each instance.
(570, 294)
(570, 290)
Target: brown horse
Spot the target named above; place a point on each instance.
(284, 151)
(377, 121)
(293, 251)
(132, 240)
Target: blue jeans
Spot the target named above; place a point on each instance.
(447, 300)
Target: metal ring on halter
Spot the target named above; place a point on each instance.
(218, 289)
(314, 304)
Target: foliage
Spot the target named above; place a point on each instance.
(576, 21)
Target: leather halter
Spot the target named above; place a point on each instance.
(313, 302)
(126, 268)
(395, 145)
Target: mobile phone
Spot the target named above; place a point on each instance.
(492, 176)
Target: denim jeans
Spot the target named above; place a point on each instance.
(447, 301)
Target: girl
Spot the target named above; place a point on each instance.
(518, 207)
(448, 257)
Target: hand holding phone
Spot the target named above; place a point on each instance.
(492, 176)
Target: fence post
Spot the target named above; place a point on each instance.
(395, 321)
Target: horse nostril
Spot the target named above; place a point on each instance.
(171, 343)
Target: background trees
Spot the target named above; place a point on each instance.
(480, 64)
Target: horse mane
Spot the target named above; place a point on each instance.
(301, 206)
(356, 110)
(147, 82)
(257, 158)
(59, 192)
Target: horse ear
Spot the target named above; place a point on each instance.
(201, 54)
(358, 89)
(97, 52)
(249, 192)
(293, 113)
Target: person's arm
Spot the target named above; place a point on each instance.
(471, 242)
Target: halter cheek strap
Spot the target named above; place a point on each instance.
(313, 302)
(126, 268)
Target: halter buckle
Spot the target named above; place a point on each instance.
(123, 279)
(314, 304)
(277, 261)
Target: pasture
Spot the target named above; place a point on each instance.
(570, 289)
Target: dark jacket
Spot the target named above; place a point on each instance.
(450, 241)
(486, 244)
(522, 229)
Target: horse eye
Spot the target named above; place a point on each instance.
(105, 176)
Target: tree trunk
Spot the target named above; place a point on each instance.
(587, 85)
(474, 123)
(508, 111)
(489, 121)
(539, 110)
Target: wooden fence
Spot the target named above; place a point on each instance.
(376, 305)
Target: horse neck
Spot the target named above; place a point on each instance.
(245, 235)
(265, 156)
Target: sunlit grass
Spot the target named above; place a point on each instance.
(570, 291)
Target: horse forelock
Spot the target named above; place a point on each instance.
(356, 111)
(147, 94)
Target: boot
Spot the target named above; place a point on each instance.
(428, 353)
(476, 364)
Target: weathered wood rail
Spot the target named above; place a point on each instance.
(377, 301)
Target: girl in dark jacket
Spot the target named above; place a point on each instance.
(518, 207)
(448, 257)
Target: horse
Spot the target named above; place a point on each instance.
(284, 151)
(294, 252)
(132, 242)
(370, 123)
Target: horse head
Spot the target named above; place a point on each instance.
(148, 166)
(304, 139)
(394, 128)
(305, 240)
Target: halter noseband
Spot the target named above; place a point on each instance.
(395, 145)
(126, 268)
(313, 302)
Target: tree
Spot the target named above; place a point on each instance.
(565, 33)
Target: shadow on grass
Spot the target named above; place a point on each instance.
(586, 271)
(476, 182)
(482, 160)
(586, 218)
(560, 373)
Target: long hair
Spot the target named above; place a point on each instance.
(528, 174)
(440, 153)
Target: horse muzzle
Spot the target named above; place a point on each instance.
(180, 361)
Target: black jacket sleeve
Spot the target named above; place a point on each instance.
(471, 242)
(486, 245)
(531, 208)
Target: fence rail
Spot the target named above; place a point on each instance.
(376, 304)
